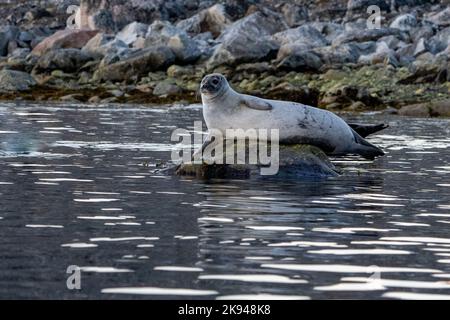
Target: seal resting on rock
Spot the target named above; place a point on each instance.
(224, 108)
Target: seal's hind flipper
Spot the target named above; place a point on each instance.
(365, 148)
(364, 130)
(256, 103)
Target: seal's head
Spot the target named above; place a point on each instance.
(213, 85)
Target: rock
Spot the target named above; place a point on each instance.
(116, 93)
(167, 88)
(427, 109)
(294, 15)
(136, 65)
(131, 32)
(177, 72)
(405, 22)
(367, 35)
(357, 106)
(94, 99)
(67, 60)
(103, 21)
(380, 55)
(424, 69)
(75, 97)
(301, 61)
(213, 19)
(441, 18)
(298, 39)
(247, 40)
(439, 41)
(7, 34)
(295, 161)
(185, 48)
(14, 81)
(68, 38)
(103, 44)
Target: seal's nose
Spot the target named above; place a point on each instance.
(204, 86)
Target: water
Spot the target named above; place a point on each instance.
(77, 187)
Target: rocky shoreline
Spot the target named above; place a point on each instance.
(156, 52)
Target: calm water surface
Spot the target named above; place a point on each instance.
(77, 187)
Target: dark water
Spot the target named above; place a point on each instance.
(77, 188)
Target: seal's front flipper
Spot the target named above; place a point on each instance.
(256, 103)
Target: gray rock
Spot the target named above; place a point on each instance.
(131, 32)
(247, 40)
(164, 33)
(441, 18)
(166, 88)
(136, 65)
(213, 19)
(439, 42)
(103, 44)
(7, 34)
(67, 60)
(362, 35)
(405, 22)
(103, 21)
(11, 80)
(298, 39)
(382, 53)
(294, 15)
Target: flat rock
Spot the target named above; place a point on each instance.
(68, 38)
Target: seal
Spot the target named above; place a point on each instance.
(224, 108)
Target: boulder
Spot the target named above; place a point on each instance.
(164, 33)
(131, 32)
(68, 38)
(382, 53)
(136, 65)
(298, 39)
(248, 39)
(427, 109)
(439, 41)
(166, 88)
(214, 20)
(295, 15)
(295, 161)
(405, 22)
(362, 35)
(103, 44)
(67, 60)
(7, 35)
(14, 81)
(441, 18)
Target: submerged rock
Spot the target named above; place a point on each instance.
(295, 161)
(11, 80)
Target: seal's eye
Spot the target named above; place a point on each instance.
(215, 82)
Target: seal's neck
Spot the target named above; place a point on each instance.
(225, 97)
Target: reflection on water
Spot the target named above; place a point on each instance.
(77, 187)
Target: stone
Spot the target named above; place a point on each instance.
(247, 40)
(136, 65)
(362, 35)
(103, 44)
(295, 161)
(214, 20)
(13, 81)
(440, 18)
(7, 34)
(68, 38)
(294, 15)
(131, 32)
(427, 109)
(405, 22)
(67, 60)
(166, 88)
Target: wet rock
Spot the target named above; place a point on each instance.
(14, 81)
(72, 98)
(405, 22)
(67, 60)
(214, 20)
(68, 38)
(136, 65)
(247, 40)
(428, 109)
(131, 32)
(295, 161)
